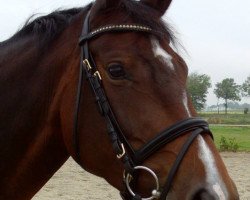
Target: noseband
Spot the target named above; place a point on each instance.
(130, 158)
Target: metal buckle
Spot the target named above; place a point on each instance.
(155, 193)
(87, 64)
(97, 73)
(119, 156)
(130, 178)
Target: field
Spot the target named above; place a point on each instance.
(234, 127)
(233, 118)
(241, 135)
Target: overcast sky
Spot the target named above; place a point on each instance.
(216, 34)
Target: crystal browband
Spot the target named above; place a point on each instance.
(115, 28)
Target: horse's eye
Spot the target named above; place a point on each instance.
(116, 71)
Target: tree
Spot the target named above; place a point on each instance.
(198, 85)
(246, 87)
(227, 90)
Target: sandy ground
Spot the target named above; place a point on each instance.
(72, 183)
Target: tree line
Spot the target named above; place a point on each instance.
(227, 89)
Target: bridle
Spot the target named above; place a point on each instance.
(130, 158)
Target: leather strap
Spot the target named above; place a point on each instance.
(168, 135)
(114, 29)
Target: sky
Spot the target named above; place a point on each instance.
(215, 34)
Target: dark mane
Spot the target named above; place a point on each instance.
(49, 26)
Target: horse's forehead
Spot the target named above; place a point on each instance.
(146, 45)
(131, 44)
(161, 54)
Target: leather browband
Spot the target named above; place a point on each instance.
(113, 29)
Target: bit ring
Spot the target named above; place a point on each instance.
(155, 192)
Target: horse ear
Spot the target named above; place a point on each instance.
(104, 4)
(160, 5)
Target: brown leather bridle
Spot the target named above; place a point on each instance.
(130, 158)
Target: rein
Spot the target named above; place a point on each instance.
(131, 159)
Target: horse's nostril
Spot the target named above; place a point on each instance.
(204, 194)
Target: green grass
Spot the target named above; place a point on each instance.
(241, 135)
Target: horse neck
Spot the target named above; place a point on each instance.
(30, 131)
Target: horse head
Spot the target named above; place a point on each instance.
(124, 114)
(143, 93)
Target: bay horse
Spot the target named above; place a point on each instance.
(123, 115)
